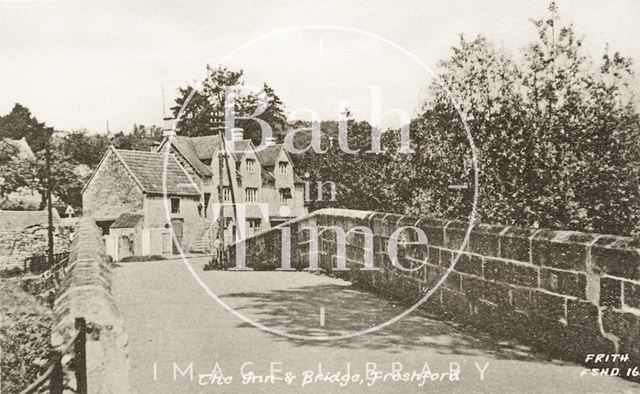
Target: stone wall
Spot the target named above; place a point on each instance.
(565, 293)
(17, 245)
(86, 292)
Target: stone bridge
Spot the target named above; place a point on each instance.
(510, 309)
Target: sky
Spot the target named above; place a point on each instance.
(81, 64)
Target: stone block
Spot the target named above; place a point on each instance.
(515, 244)
(473, 287)
(510, 273)
(624, 325)
(632, 294)
(610, 292)
(617, 256)
(433, 274)
(583, 314)
(521, 299)
(446, 257)
(548, 305)
(561, 249)
(434, 228)
(485, 240)
(452, 281)
(498, 294)
(456, 236)
(469, 264)
(563, 282)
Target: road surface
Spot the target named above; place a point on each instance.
(181, 340)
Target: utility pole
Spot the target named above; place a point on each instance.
(48, 192)
(215, 126)
(553, 8)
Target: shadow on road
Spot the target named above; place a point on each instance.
(347, 309)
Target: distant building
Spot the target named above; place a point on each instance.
(20, 148)
(125, 195)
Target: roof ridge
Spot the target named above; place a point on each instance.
(137, 151)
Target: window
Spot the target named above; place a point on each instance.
(254, 225)
(250, 194)
(250, 164)
(285, 195)
(175, 205)
(207, 198)
(282, 166)
(226, 194)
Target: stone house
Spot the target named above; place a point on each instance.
(262, 175)
(282, 188)
(130, 183)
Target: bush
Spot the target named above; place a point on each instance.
(25, 330)
(10, 272)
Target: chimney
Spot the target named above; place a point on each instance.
(169, 129)
(271, 141)
(237, 134)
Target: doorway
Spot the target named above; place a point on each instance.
(178, 227)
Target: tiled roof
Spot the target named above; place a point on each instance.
(148, 167)
(239, 148)
(19, 220)
(127, 220)
(269, 155)
(205, 146)
(186, 147)
(196, 149)
(268, 158)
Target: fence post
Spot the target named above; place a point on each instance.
(80, 356)
(56, 380)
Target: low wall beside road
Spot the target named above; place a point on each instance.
(566, 293)
(86, 292)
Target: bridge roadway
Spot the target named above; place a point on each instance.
(172, 322)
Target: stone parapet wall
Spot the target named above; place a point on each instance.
(86, 292)
(566, 293)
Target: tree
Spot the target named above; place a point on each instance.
(357, 177)
(558, 139)
(586, 134)
(20, 123)
(84, 148)
(197, 120)
(28, 177)
(19, 175)
(140, 138)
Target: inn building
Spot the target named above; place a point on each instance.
(161, 202)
